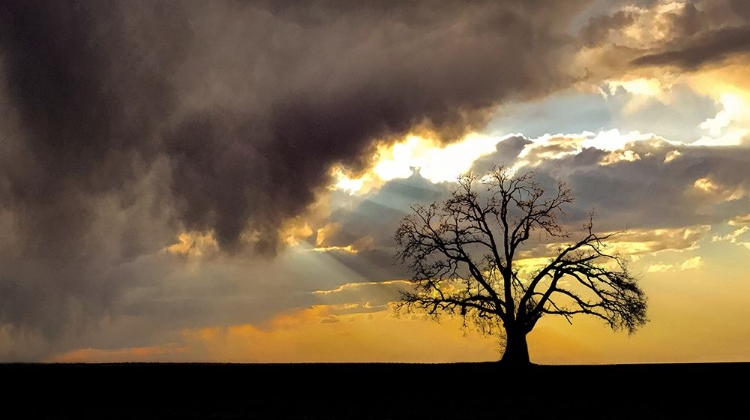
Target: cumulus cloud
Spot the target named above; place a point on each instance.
(689, 264)
(699, 185)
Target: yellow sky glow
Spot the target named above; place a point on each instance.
(434, 161)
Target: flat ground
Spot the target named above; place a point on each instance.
(374, 391)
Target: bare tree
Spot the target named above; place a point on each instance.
(466, 256)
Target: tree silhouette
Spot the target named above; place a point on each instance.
(466, 256)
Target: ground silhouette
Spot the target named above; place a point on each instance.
(373, 391)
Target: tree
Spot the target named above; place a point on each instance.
(466, 256)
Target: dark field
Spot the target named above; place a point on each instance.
(374, 391)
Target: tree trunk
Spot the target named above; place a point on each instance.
(516, 350)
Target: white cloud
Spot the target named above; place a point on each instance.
(731, 237)
(643, 92)
(640, 86)
(692, 263)
(560, 146)
(660, 268)
(732, 108)
(652, 241)
(689, 264)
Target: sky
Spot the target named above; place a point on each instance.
(221, 181)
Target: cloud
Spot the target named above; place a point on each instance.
(711, 47)
(692, 263)
(687, 35)
(634, 242)
(330, 319)
(600, 27)
(363, 297)
(731, 237)
(639, 180)
(689, 264)
(659, 268)
(645, 39)
(742, 219)
(627, 103)
(647, 193)
(130, 123)
(250, 126)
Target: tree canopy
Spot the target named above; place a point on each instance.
(469, 256)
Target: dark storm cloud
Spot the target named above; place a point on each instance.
(125, 122)
(505, 154)
(617, 37)
(86, 97)
(711, 47)
(598, 28)
(703, 33)
(330, 80)
(252, 102)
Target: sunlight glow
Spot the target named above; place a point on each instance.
(614, 157)
(559, 146)
(349, 248)
(733, 108)
(674, 154)
(646, 87)
(165, 352)
(729, 87)
(295, 230)
(194, 244)
(433, 161)
(708, 186)
(613, 140)
(347, 184)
